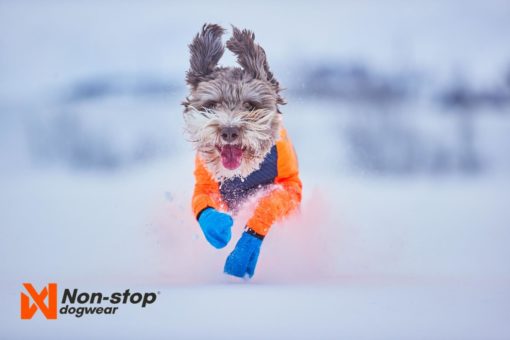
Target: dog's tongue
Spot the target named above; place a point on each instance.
(231, 156)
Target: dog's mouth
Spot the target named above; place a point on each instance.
(231, 156)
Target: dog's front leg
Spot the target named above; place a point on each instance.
(206, 204)
(274, 206)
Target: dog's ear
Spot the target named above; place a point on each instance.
(206, 50)
(250, 55)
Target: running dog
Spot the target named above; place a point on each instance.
(233, 120)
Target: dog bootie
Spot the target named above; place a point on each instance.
(216, 227)
(243, 259)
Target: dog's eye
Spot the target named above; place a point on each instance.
(249, 106)
(211, 104)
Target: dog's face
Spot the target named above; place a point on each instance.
(231, 114)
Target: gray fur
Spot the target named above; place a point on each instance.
(246, 97)
(206, 50)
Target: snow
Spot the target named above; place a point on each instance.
(384, 259)
(349, 310)
(96, 188)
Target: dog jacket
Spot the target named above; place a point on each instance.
(278, 173)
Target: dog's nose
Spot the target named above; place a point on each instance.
(229, 133)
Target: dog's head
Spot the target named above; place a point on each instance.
(231, 114)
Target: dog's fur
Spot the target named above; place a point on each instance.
(246, 97)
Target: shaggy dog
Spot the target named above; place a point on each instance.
(233, 120)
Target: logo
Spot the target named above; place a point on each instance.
(49, 308)
(46, 301)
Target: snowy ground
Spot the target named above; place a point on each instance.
(358, 265)
(416, 256)
(346, 310)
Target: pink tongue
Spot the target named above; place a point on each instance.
(231, 156)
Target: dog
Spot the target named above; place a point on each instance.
(232, 118)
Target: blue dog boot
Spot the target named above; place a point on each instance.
(216, 227)
(243, 259)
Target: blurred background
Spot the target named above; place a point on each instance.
(407, 89)
(399, 112)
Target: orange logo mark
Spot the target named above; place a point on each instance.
(49, 309)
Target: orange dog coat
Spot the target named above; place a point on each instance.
(279, 168)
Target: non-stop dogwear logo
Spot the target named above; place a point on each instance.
(46, 301)
(49, 308)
